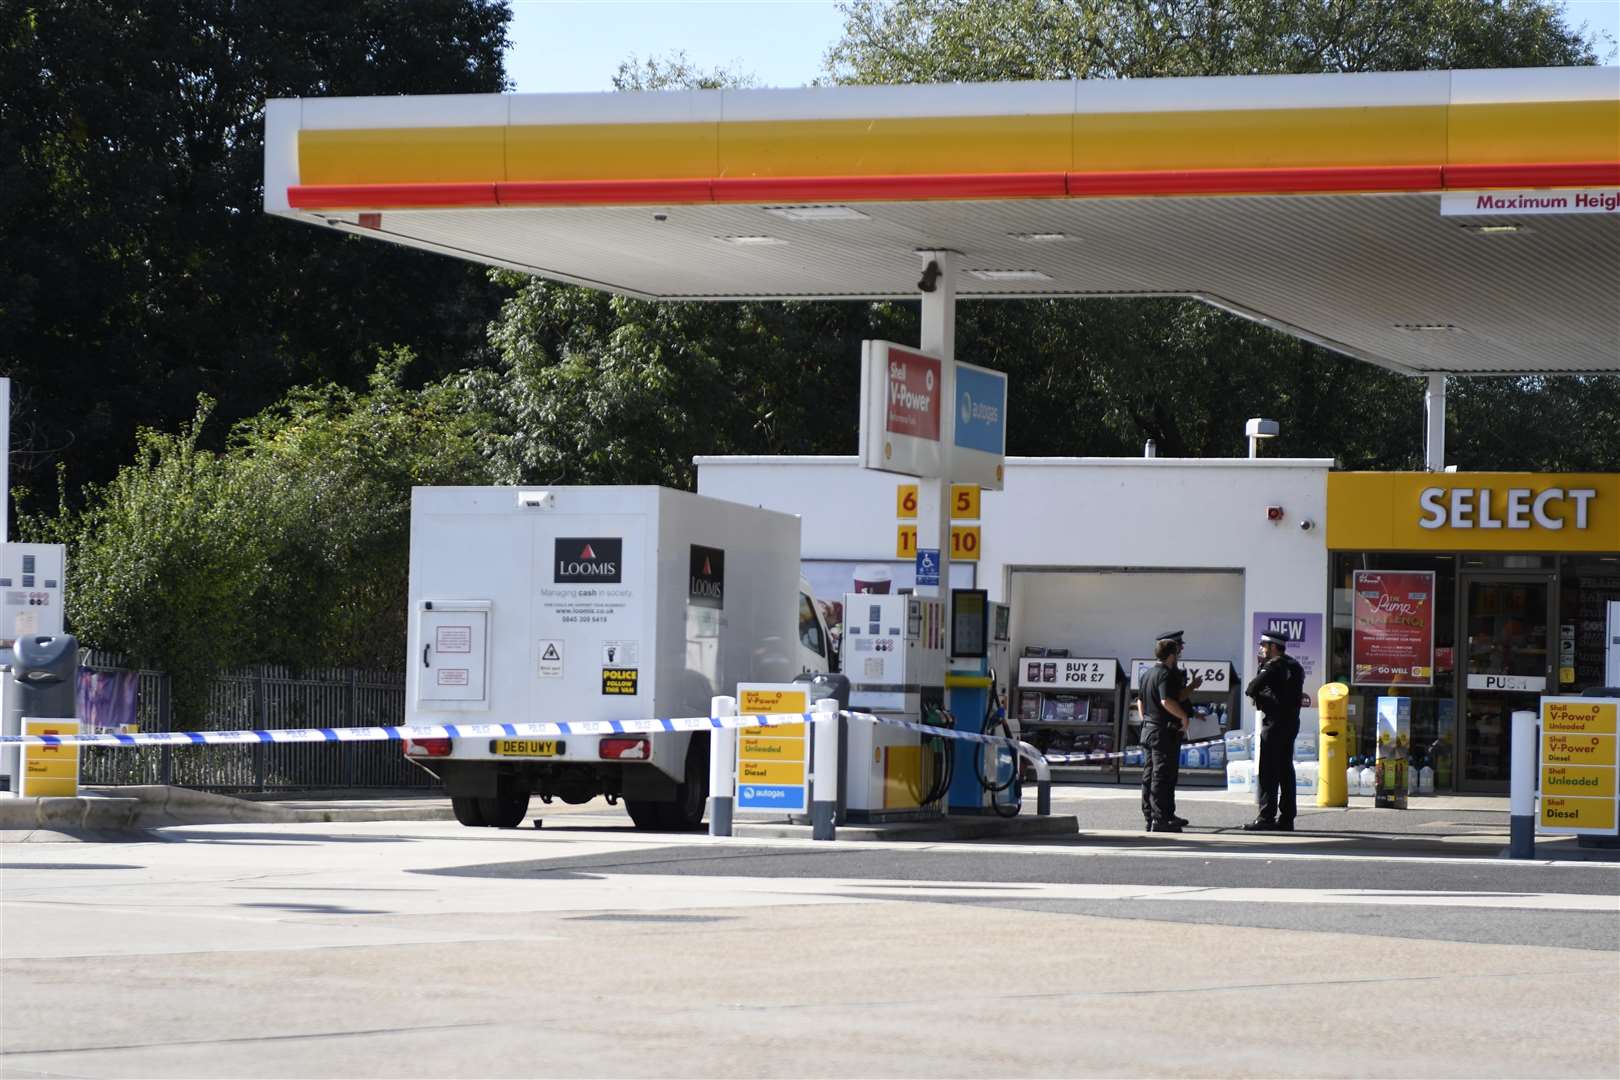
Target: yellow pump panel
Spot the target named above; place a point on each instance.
(1333, 742)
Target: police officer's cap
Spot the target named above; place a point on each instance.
(1170, 635)
(1274, 637)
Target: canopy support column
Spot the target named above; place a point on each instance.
(1434, 413)
(938, 287)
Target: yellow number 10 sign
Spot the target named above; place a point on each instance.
(965, 543)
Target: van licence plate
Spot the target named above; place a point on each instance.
(527, 747)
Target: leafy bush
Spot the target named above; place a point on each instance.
(290, 547)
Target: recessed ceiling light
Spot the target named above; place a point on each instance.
(1426, 327)
(1495, 230)
(1010, 275)
(1039, 237)
(817, 213)
(750, 240)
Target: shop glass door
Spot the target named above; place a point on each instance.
(1508, 666)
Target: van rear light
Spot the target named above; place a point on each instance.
(427, 747)
(625, 749)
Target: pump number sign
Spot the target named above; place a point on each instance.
(773, 762)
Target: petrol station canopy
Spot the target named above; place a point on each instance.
(1312, 203)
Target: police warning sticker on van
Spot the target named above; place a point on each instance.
(620, 682)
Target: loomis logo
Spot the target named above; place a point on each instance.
(592, 559)
(707, 580)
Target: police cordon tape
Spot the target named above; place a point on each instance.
(519, 731)
(417, 731)
(1051, 759)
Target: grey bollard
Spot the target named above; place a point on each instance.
(824, 793)
(43, 683)
(1522, 789)
(829, 698)
(722, 768)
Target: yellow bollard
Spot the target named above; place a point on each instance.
(1332, 744)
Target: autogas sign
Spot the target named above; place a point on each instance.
(978, 425)
(981, 409)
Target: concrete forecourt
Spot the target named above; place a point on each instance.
(588, 949)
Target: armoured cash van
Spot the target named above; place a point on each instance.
(532, 605)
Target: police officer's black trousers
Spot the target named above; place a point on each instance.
(1275, 790)
(1162, 746)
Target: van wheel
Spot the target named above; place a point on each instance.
(692, 793)
(506, 809)
(645, 814)
(467, 811)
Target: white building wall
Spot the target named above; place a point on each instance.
(1092, 518)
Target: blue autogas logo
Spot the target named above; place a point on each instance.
(770, 797)
(981, 410)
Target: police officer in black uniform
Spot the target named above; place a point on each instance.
(1278, 690)
(1163, 691)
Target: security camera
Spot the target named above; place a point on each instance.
(930, 276)
(660, 217)
(1306, 524)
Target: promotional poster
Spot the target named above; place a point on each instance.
(1392, 635)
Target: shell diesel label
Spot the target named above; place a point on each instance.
(1559, 814)
(50, 770)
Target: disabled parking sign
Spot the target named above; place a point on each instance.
(927, 566)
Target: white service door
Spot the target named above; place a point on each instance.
(454, 655)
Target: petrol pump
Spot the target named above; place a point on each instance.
(984, 777)
(894, 657)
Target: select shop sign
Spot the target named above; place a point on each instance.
(1474, 512)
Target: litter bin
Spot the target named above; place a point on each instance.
(1332, 744)
(43, 682)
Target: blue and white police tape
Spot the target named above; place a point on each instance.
(535, 730)
(416, 731)
(1051, 759)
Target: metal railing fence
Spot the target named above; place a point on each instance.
(264, 696)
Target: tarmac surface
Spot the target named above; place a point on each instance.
(586, 948)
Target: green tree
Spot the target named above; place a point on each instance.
(593, 388)
(138, 269)
(291, 546)
(903, 41)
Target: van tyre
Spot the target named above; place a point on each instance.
(685, 812)
(692, 793)
(507, 808)
(645, 814)
(467, 810)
